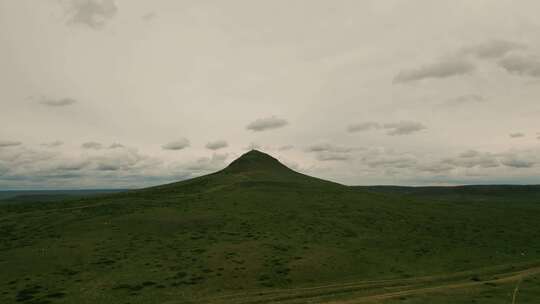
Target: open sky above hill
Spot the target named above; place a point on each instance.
(131, 93)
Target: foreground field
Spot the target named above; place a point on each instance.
(258, 232)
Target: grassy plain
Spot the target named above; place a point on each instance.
(257, 232)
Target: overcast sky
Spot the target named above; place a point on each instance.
(131, 93)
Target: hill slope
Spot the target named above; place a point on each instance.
(252, 168)
(255, 227)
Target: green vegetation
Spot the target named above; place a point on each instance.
(258, 232)
(40, 196)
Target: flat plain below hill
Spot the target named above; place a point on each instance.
(258, 232)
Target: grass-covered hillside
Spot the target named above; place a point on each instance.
(258, 232)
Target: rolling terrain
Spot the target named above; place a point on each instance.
(258, 232)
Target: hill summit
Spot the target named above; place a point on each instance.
(258, 168)
(255, 160)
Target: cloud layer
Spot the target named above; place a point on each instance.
(396, 106)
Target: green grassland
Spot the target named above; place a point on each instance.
(258, 232)
(40, 196)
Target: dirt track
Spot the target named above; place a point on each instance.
(378, 291)
(516, 276)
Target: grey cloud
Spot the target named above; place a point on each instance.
(127, 160)
(522, 65)
(364, 126)
(207, 164)
(92, 145)
(108, 167)
(115, 168)
(516, 162)
(116, 146)
(329, 152)
(493, 49)
(177, 145)
(21, 157)
(59, 175)
(92, 13)
(324, 147)
(443, 69)
(520, 158)
(72, 165)
(465, 99)
(516, 135)
(286, 148)
(62, 102)
(263, 124)
(403, 127)
(469, 154)
(472, 158)
(253, 146)
(3, 169)
(332, 156)
(52, 144)
(434, 167)
(149, 17)
(9, 143)
(216, 145)
(393, 162)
